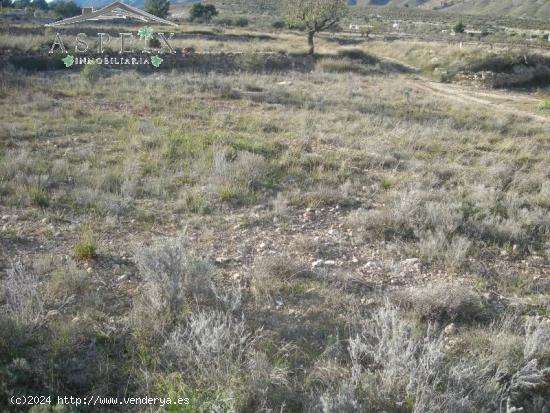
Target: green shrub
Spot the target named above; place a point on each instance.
(157, 8)
(459, 27)
(279, 24)
(38, 196)
(154, 43)
(91, 74)
(63, 9)
(85, 248)
(202, 12)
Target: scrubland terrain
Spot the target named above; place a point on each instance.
(522, 8)
(358, 237)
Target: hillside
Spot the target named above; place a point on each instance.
(517, 8)
(539, 9)
(524, 8)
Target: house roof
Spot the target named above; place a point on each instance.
(116, 10)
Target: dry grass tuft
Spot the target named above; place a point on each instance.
(443, 302)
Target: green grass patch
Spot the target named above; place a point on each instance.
(38, 196)
(86, 248)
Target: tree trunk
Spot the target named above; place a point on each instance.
(310, 42)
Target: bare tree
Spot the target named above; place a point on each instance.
(315, 15)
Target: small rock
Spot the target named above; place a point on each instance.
(5, 217)
(236, 276)
(52, 313)
(411, 261)
(450, 330)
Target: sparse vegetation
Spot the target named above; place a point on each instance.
(260, 230)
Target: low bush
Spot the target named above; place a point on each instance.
(213, 346)
(272, 274)
(537, 339)
(21, 293)
(66, 281)
(202, 12)
(443, 302)
(395, 367)
(91, 74)
(174, 278)
(38, 196)
(279, 24)
(238, 174)
(85, 248)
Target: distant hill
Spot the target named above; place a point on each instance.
(539, 9)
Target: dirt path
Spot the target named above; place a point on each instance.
(509, 103)
(498, 101)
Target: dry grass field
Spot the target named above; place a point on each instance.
(358, 237)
